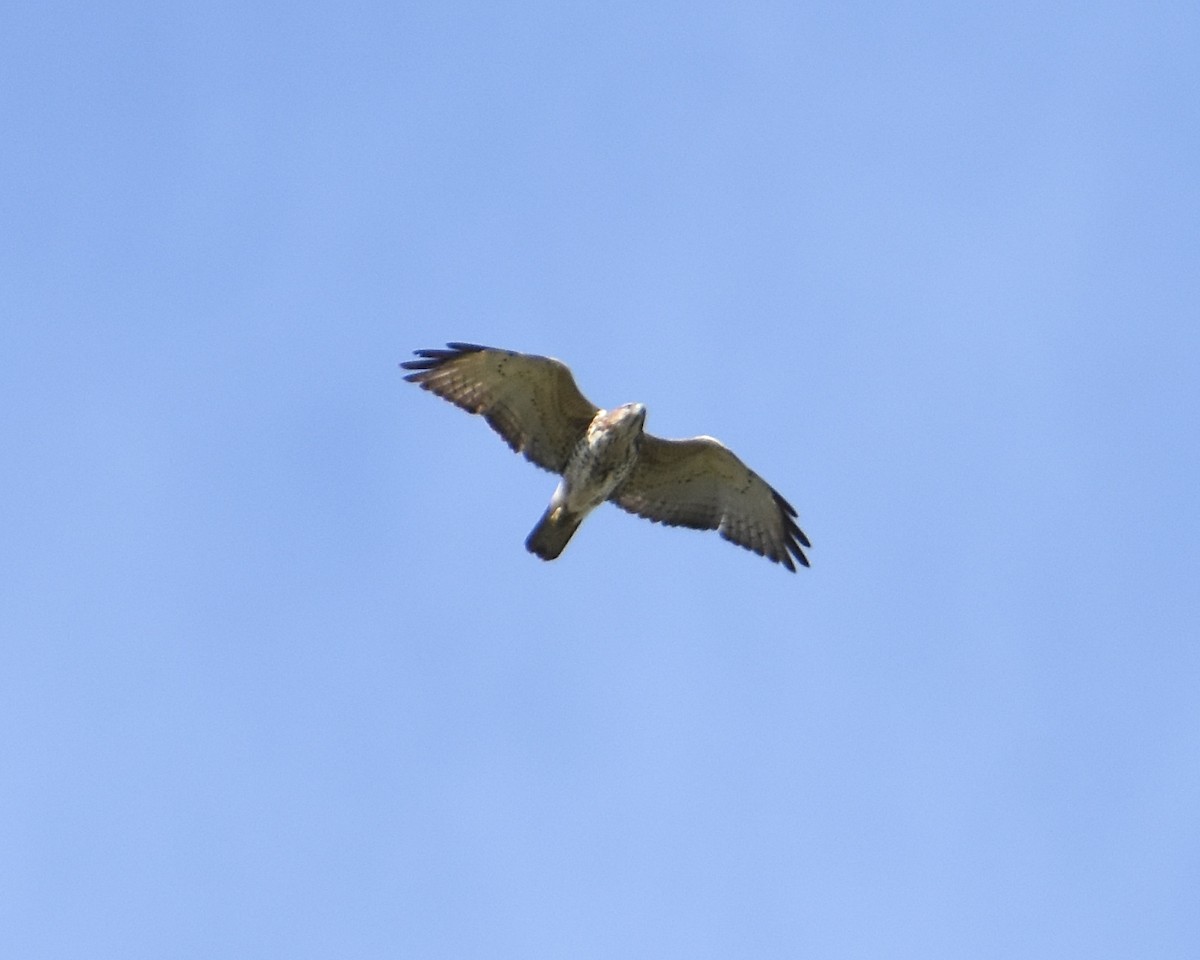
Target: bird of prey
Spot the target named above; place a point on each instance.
(533, 403)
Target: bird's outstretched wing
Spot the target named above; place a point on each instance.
(700, 483)
(531, 401)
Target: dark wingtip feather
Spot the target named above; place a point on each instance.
(791, 549)
(430, 364)
(432, 359)
(796, 533)
(783, 504)
(794, 537)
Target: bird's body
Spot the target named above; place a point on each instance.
(533, 403)
(597, 466)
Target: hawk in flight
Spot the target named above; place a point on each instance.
(533, 403)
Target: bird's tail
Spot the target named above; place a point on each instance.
(552, 532)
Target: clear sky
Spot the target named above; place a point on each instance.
(277, 676)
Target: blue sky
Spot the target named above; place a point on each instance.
(277, 676)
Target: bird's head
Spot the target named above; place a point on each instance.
(622, 424)
(632, 413)
(630, 419)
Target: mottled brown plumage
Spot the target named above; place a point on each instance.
(534, 404)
